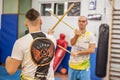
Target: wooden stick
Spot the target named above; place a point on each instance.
(110, 40)
(64, 49)
(62, 20)
(64, 15)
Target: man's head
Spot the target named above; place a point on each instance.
(82, 22)
(32, 18)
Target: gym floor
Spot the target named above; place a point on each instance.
(61, 76)
(4, 73)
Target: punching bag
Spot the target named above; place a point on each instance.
(102, 53)
(60, 53)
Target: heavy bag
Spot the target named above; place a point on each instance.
(102, 53)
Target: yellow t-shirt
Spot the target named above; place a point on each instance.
(81, 61)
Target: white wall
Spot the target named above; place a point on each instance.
(0, 11)
(93, 26)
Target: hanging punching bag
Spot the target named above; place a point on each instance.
(102, 53)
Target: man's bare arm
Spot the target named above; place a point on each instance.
(73, 40)
(88, 51)
(12, 65)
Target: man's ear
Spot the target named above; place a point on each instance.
(40, 21)
(87, 22)
(26, 23)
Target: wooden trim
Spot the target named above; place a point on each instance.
(31, 3)
(115, 52)
(115, 38)
(116, 14)
(3, 7)
(18, 25)
(116, 19)
(116, 9)
(115, 23)
(18, 6)
(115, 42)
(114, 76)
(115, 33)
(114, 62)
(110, 40)
(115, 28)
(115, 57)
(115, 48)
(115, 71)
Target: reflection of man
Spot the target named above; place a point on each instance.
(22, 51)
(83, 44)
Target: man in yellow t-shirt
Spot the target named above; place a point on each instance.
(83, 44)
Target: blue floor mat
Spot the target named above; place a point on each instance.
(58, 79)
(5, 76)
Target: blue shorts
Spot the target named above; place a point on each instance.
(78, 74)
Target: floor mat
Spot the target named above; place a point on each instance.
(5, 76)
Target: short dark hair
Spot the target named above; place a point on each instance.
(32, 14)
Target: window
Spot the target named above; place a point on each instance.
(58, 8)
(75, 11)
(45, 8)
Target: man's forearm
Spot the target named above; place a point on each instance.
(89, 51)
(74, 39)
(11, 65)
